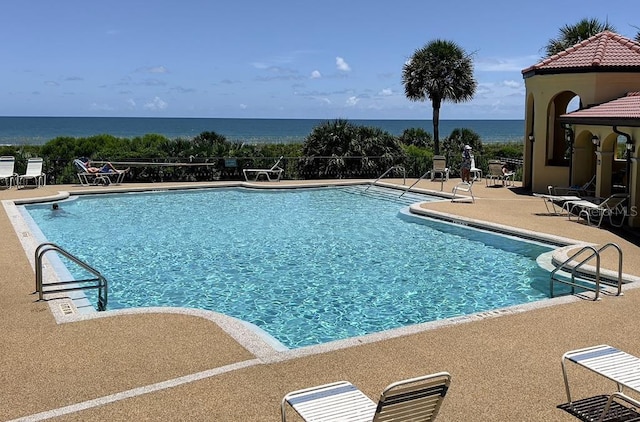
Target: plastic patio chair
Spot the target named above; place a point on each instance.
(33, 172)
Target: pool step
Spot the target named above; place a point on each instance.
(585, 282)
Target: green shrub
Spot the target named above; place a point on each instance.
(418, 137)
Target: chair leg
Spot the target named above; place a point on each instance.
(622, 220)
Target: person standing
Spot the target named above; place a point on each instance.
(466, 164)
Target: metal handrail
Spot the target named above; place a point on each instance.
(620, 255)
(594, 252)
(416, 182)
(404, 175)
(572, 283)
(101, 285)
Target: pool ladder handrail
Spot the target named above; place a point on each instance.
(99, 282)
(416, 182)
(594, 253)
(404, 175)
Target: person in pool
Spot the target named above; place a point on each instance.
(57, 211)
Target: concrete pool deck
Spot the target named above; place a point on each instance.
(179, 366)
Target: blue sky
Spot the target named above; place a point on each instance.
(277, 59)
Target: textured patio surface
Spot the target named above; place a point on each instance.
(163, 366)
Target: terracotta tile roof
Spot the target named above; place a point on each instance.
(626, 108)
(601, 51)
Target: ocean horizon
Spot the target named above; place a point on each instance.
(40, 130)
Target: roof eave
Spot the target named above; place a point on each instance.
(527, 73)
(600, 121)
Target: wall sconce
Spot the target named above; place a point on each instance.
(568, 136)
(531, 138)
(630, 146)
(595, 140)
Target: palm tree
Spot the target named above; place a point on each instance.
(416, 136)
(637, 37)
(331, 148)
(573, 34)
(440, 71)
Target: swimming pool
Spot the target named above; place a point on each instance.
(306, 265)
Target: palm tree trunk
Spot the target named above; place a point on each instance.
(436, 127)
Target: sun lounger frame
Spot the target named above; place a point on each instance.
(610, 363)
(254, 174)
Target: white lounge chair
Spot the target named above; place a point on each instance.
(440, 168)
(556, 201)
(615, 205)
(462, 187)
(88, 178)
(33, 172)
(274, 173)
(588, 189)
(614, 365)
(415, 399)
(7, 170)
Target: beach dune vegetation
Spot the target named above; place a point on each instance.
(340, 149)
(416, 136)
(334, 149)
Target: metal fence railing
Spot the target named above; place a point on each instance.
(295, 168)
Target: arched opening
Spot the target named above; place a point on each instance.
(585, 158)
(559, 143)
(619, 177)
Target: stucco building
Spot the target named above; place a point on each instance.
(565, 146)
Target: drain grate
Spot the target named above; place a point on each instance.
(66, 308)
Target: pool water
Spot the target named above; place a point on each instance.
(307, 266)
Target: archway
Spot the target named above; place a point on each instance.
(559, 143)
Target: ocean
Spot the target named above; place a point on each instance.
(40, 130)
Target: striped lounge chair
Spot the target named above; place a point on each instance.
(415, 399)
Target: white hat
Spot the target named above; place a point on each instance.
(467, 147)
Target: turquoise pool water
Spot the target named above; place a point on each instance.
(307, 265)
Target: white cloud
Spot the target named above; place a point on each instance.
(351, 101)
(512, 84)
(385, 92)
(156, 104)
(100, 107)
(316, 74)
(509, 64)
(158, 69)
(152, 69)
(243, 106)
(131, 103)
(342, 65)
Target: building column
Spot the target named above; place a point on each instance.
(604, 167)
(634, 193)
(582, 168)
